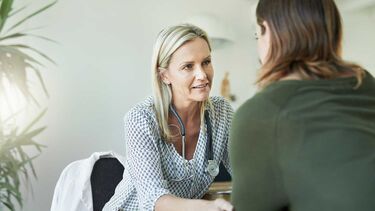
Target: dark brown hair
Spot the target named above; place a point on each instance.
(306, 38)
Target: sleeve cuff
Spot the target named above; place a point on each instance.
(155, 196)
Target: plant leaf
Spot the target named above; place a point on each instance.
(24, 138)
(35, 50)
(22, 34)
(43, 38)
(39, 75)
(5, 8)
(17, 11)
(15, 35)
(34, 121)
(31, 15)
(9, 205)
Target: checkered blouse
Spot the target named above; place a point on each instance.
(154, 168)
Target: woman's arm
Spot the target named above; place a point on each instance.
(145, 170)
(257, 184)
(143, 158)
(173, 203)
(226, 112)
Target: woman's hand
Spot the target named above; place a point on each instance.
(221, 205)
(172, 203)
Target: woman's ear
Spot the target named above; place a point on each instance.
(262, 28)
(265, 28)
(163, 73)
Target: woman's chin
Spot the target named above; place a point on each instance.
(200, 94)
(201, 97)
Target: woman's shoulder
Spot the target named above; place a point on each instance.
(219, 102)
(218, 99)
(142, 110)
(221, 110)
(269, 102)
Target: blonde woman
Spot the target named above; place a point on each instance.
(176, 138)
(306, 141)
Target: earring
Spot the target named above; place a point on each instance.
(256, 36)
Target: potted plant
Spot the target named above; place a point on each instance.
(18, 62)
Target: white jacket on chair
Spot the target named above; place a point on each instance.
(73, 189)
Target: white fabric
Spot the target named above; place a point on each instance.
(153, 166)
(73, 189)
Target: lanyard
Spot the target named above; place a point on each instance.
(209, 136)
(213, 167)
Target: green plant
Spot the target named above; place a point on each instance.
(14, 161)
(17, 62)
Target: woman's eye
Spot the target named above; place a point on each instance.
(188, 67)
(207, 62)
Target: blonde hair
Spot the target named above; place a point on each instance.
(168, 41)
(306, 38)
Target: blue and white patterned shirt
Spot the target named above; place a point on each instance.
(154, 168)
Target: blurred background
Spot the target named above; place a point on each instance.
(103, 61)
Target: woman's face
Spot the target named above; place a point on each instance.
(263, 40)
(190, 72)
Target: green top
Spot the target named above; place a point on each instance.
(306, 146)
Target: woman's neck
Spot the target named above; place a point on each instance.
(297, 76)
(187, 111)
(292, 76)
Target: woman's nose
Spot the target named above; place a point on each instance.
(200, 73)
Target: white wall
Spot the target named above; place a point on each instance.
(359, 34)
(103, 70)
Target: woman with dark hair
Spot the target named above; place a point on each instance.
(306, 140)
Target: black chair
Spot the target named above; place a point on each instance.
(223, 175)
(106, 174)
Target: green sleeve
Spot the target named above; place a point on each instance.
(253, 150)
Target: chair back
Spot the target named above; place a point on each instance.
(106, 174)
